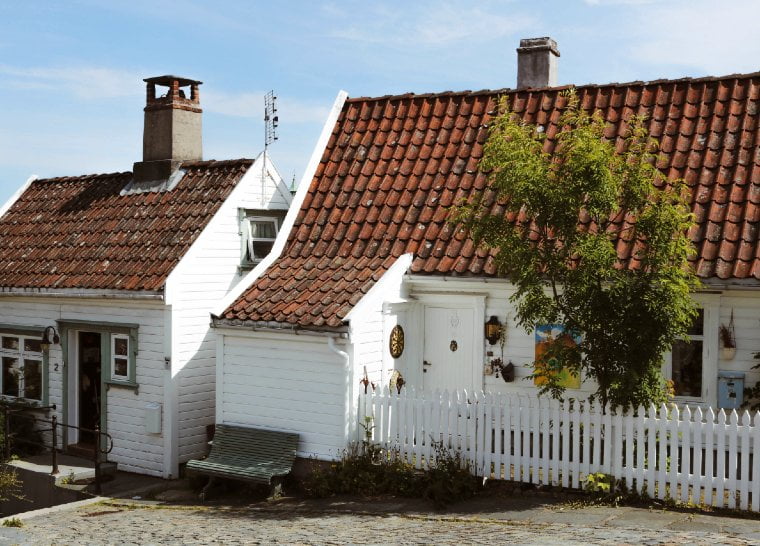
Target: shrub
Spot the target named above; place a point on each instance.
(367, 469)
(448, 478)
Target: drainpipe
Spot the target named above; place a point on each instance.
(347, 395)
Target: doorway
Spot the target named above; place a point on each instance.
(88, 389)
(448, 354)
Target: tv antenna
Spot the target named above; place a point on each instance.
(271, 119)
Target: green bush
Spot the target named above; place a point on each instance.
(364, 469)
(448, 478)
(367, 469)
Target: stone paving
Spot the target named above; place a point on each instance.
(488, 521)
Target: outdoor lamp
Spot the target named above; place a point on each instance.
(493, 330)
(49, 337)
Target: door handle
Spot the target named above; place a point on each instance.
(425, 366)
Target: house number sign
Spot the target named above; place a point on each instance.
(397, 341)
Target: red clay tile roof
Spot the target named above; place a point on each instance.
(394, 166)
(78, 232)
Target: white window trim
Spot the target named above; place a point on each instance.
(250, 240)
(114, 356)
(22, 357)
(710, 304)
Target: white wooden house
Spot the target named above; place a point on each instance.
(125, 268)
(368, 247)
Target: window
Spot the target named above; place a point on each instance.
(261, 235)
(21, 359)
(120, 361)
(687, 361)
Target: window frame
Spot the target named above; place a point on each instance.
(42, 357)
(112, 357)
(710, 305)
(246, 217)
(251, 239)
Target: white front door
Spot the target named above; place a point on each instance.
(448, 354)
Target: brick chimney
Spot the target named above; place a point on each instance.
(537, 62)
(172, 131)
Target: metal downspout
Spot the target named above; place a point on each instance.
(347, 390)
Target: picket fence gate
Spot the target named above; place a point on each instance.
(683, 453)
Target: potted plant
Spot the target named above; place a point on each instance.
(728, 339)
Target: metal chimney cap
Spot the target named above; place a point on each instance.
(168, 80)
(538, 44)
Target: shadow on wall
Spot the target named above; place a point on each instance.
(196, 399)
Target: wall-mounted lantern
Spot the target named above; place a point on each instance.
(493, 330)
(49, 337)
(506, 371)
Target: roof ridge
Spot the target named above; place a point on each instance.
(218, 162)
(82, 177)
(641, 83)
(199, 163)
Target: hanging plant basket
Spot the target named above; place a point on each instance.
(727, 336)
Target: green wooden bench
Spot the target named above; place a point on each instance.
(248, 454)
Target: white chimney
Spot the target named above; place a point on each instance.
(537, 63)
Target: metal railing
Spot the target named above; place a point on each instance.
(101, 438)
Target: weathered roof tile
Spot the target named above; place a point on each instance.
(79, 232)
(708, 134)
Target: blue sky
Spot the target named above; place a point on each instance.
(71, 72)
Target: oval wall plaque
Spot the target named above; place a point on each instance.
(396, 342)
(453, 345)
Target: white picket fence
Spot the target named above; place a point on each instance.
(686, 454)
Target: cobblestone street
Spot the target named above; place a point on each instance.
(368, 523)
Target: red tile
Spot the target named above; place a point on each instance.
(707, 131)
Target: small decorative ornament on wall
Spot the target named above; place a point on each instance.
(396, 342)
(453, 345)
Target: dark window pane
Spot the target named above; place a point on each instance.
(261, 249)
(697, 327)
(10, 343)
(263, 230)
(33, 345)
(120, 367)
(11, 373)
(687, 368)
(120, 345)
(33, 379)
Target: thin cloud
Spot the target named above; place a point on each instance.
(251, 105)
(713, 37)
(447, 24)
(619, 2)
(82, 82)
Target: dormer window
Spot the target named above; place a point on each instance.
(258, 234)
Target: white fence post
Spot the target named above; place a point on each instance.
(744, 455)
(697, 479)
(696, 456)
(709, 438)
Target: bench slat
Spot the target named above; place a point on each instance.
(248, 454)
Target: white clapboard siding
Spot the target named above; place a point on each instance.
(200, 281)
(685, 454)
(288, 383)
(134, 449)
(368, 342)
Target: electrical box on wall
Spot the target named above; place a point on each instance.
(730, 389)
(153, 418)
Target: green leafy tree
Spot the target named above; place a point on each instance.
(557, 221)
